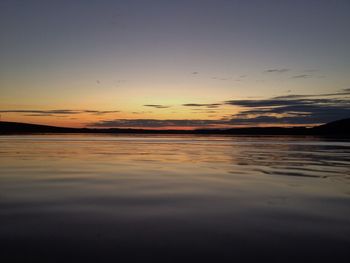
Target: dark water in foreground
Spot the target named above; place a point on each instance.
(104, 198)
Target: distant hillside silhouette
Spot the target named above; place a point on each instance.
(17, 127)
(340, 127)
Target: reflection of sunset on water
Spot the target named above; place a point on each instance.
(121, 191)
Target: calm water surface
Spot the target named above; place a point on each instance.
(104, 198)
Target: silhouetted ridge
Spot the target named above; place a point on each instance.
(17, 127)
(340, 127)
(335, 127)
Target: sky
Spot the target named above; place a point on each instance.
(181, 64)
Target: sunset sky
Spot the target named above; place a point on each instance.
(174, 64)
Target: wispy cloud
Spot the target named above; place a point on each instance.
(157, 106)
(241, 77)
(311, 70)
(288, 109)
(141, 112)
(294, 109)
(339, 93)
(97, 112)
(276, 70)
(220, 78)
(154, 123)
(57, 112)
(301, 76)
(208, 105)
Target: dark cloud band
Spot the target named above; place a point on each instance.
(157, 106)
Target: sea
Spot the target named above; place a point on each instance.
(174, 198)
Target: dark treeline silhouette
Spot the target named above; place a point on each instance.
(340, 127)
